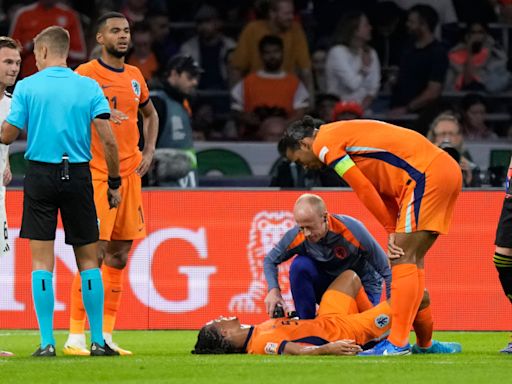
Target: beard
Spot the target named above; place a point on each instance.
(114, 52)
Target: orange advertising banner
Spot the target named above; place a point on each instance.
(203, 257)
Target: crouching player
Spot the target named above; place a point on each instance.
(503, 253)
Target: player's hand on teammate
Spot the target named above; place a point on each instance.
(117, 117)
(394, 251)
(272, 299)
(147, 159)
(343, 347)
(114, 198)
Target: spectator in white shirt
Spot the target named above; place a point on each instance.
(353, 68)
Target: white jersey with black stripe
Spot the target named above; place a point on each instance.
(5, 107)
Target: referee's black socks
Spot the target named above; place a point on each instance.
(503, 264)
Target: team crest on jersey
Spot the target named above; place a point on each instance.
(381, 321)
(271, 348)
(136, 87)
(340, 252)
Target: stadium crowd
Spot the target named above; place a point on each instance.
(264, 63)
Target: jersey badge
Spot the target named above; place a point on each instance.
(271, 348)
(381, 321)
(136, 87)
(340, 252)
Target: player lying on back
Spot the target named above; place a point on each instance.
(337, 330)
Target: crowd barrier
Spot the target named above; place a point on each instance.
(203, 257)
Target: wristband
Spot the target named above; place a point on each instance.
(114, 182)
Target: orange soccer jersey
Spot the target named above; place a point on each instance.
(401, 177)
(337, 319)
(126, 91)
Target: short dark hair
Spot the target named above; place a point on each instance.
(297, 131)
(183, 63)
(9, 42)
(109, 15)
(211, 342)
(471, 99)
(427, 14)
(270, 40)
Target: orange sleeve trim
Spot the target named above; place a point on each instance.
(299, 239)
(338, 227)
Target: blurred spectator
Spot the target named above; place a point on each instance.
(270, 86)
(423, 65)
(135, 10)
(142, 55)
(292, 175)
(347, 110)
(444, 8)
(33, 18)
(445, 132)
(209, 48)
(504, 10)
(324, 109)
(164, 46)
(272, 128)
(180, 80)
(474, 111)
(388, 39)
(318, 59)
(483, 10)
(352, 67)
(476, 63)
(280, 22)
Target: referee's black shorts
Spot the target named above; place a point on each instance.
(504, 230)
(45, 193)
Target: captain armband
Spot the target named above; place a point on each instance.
(343, 165)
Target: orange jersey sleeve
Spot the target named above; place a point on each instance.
(126, 91)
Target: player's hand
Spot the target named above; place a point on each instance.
(117, 117)
(273, 298)
(114, 198)
(7, 177)
(145, 163)
(342, 347)
(394, 251)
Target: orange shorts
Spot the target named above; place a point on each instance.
(339, 310)
(125, 222)
(429, 206)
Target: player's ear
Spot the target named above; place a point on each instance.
(99, 38)
(304, 144)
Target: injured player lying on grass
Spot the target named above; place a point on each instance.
(338, 329)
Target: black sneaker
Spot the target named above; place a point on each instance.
(98, 350)
(48, 351)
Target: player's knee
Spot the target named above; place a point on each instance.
(116, 260)
(425, 301)
(302, 265)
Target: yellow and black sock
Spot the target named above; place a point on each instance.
(503, 264)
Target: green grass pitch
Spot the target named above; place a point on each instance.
(164, 357)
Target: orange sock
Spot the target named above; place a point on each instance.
(113, 284)
(77, 310)
(404, 292)
(362, 300)
(424, 326)
(423, 323)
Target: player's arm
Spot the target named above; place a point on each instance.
(364, 189)
(376, 256)
(150, 132)
(339, 347)
(9, 133)
(277, 255)
(109, 143)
